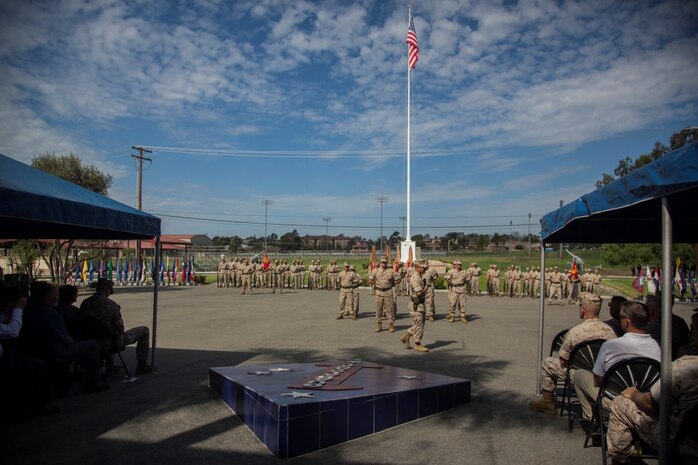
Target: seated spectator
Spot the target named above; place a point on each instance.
(67, 296)
(634, 343)
(679, 328)
(44, 336)
(692, 347)
(100, 306)
(614, 310)
(636, 413)
(25, 380)
(553, 369)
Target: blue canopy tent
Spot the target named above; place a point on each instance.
(37, 205)
(653, 204)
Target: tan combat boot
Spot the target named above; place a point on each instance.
(391, 327)
(419, 347)
(353, 316)
(406, 340)
(451, 318)
(340, 316)
(546, 404)
(431, 318)
(464, 320)
(379, 327)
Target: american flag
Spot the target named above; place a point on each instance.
(412, 44)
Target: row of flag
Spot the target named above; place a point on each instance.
(396, 263)
(682, 281)
(129, 271)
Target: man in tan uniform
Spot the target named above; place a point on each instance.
(383, 279)
(357, 283)
(417, 310)
(475, 280)
(636, 413)
(457, 279)
(517, 280)
(247, 276)
(347, 280)
(553, 369)
(495, 281)
(430, 276)
(596, 282)
(555, 287)
(508, 281)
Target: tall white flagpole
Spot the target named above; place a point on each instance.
(409, 73)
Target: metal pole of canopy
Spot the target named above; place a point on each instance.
(156, 285)
(667, 300)
(541, 318)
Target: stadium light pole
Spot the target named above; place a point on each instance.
(327, 220)
(381, 199)
(266, 203)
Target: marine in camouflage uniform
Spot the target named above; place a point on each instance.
(553, 369)
(508, 281)
(536, 283)
(627, 419)
(555, 287)
(357, 284)
(596, 282)
(220, 273)
(384, 278)
(318, 275)
(457, 279)
(247, 276)
(347, 280)
(429, 303)
(416, 306)
(332, 271)
(475, 280)
(517, 281)
(495, 281)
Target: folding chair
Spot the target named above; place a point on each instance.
(641, 372)
(582, 357)
(89, 327)
(555, 349)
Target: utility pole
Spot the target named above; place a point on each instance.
(381, 200)
(266, 203)
(139, 188)
(510, 225)
(529, 234)
(327, 220)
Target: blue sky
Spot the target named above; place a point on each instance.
(515, 105)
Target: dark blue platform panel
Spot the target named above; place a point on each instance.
(357, 400)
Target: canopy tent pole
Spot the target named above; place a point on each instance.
(667, 301)
(156, 285)
(541, 317)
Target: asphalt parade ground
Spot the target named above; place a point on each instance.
(173, 417)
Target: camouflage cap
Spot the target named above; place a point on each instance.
(347, 264)
(422, 263)
(457, 262)
(384, 259)
(589, 298)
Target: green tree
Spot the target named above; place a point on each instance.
(69, 167)
(25, 258)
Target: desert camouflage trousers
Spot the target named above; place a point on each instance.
(456, 301)
(625, 418)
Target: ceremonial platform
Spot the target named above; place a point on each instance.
(299, 408)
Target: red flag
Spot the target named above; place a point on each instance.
(638, 283)
(396, 265)
(387, 252)
(574, 272)
(372, 265)
(265, 261)
(409, 258)
(412, 44)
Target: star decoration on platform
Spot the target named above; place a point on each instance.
(280, 369)
(296, 394)
(409, 377)
(260, 373)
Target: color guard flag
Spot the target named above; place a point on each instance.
(409, 257)
(412, 44)
(265, 261)
(92, 270)
(396, 265)
(84, 271)
(372, 265)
